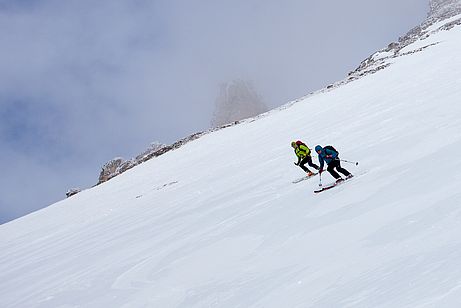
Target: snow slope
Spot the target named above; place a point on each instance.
(218, 223)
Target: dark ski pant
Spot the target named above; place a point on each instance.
(336, 164)
(307, 160)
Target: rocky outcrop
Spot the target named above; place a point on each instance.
(111, 169)
(118, 165)
(442, 9)
(72, 191)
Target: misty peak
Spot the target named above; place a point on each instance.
(237, 100)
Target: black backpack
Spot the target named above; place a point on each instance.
(331, 148)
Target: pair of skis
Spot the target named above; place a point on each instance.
(322, 188)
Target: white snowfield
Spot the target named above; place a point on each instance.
(219, 223)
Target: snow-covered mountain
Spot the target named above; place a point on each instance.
(218, 222)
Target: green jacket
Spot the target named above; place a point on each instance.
(302, 151)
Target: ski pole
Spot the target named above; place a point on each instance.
(350, 162)
(320, 177)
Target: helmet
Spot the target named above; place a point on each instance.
(318, 148)
(293, 144)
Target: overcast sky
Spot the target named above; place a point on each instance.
(82, 82)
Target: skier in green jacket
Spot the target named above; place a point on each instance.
(303, 153)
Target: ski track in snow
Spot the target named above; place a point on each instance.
(218, 222)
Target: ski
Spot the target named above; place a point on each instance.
(330, 186)
(304, 178)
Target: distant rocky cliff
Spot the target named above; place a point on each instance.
(237, 100)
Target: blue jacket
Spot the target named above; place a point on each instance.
(325, 156)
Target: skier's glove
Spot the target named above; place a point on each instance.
(296, 164)
(320, 171)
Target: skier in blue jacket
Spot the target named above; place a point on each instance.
(330, 156)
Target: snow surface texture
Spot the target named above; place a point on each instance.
(218, 222)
